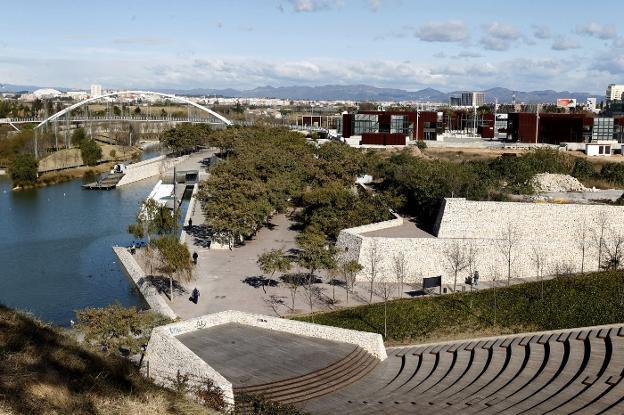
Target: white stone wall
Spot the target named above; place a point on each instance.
(149, 292)
(149, 168)
(166, 356)
(553, 230)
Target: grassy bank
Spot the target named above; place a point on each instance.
(584, 300)
(42, 371)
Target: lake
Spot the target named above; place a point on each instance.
(55, 247)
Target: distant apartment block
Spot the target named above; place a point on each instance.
(615, 92)
(96, 90)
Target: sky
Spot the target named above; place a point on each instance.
(409, 44)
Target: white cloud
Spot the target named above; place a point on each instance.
(374, 4)
(541, 32)
(449, 31)
(597, 30)
(314, 5)
(499, 36)
(564, 43)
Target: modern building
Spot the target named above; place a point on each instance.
(390, 127)
(455, 101)
(472, 99)
(591, 104)
(615, 92)
(566, 103)
(96, 90)
(549, 128)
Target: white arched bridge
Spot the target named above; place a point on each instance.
(195, 113)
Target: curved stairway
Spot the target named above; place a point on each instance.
(338, 375)
(578, 371)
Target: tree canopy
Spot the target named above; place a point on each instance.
(24, 169)
(91, 152)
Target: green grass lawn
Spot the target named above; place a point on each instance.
(583, 300)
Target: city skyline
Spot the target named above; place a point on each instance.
(385, 43)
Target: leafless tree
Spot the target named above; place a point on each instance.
(456, 259)
(399, 263)
(494, 276)
(582, 235)
(507, 245)
(472, 257)
(539, 260)
(349, 270)
(598, 237)
(613, 250)
(374, 260)
(384, 290)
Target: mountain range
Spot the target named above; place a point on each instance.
(355, 93)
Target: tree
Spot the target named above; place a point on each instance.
(507, 245)
(78, 136)
(457, 259)
(384, 290)
(90, 151)
(273, 261)
(24, 169)
(613, 247)
(175, 259)
(539, 260)
(582, 242)
(374, 259)
(399, 263)
(184, 137)
(137, 110)
(113, 327)
(598, 237)
(154, 218)
(314, 254)
(349, 270)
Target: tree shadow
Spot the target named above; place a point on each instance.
(201, 234)
(161, 283)
(300, 279)
(260, 282)
(337, 283)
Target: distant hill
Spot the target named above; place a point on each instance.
(353, 93)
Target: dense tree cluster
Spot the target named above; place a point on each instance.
(185, 136)
(23, 169)
(269, 169)
(90, 151)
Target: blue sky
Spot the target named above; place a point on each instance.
(448, 45)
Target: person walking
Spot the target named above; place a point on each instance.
(195, 295)
(195, 258)
(190, 223)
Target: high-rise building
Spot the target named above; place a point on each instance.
(472, 99)
(614, 92)
(96, 90)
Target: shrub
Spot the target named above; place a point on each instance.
(24, 169)
(421, 144)
(78, 136)
(583, 169)
(112, 153)
(613, 172)
(91, 152)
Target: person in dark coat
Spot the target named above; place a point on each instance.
(190, 223)
(195, 295)
(195, 258)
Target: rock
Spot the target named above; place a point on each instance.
(548, 182)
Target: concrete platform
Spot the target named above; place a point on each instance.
(248, 356)
(407, 230)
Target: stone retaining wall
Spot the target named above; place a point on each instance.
(148, 168)
(150, 293)
(552, 230)
(167, 357)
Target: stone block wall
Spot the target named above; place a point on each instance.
(149, 168)
(552, 231)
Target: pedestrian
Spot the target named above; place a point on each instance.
(476, 278)
(209, 243)
(190, 223)
(195, 258)
(195, 295)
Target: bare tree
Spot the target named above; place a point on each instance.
(494, 277)
(507, 244)
(374, 260)
(539, 260)
(613, 249)
(582, 242)
(457, 259)
(349, 270)
(598, 237)
(472, 257)
(384, 290)
(399, 263)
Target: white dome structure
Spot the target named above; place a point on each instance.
(47, 93)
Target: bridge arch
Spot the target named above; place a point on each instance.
(67, 110)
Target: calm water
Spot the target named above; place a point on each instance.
(55, 247)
